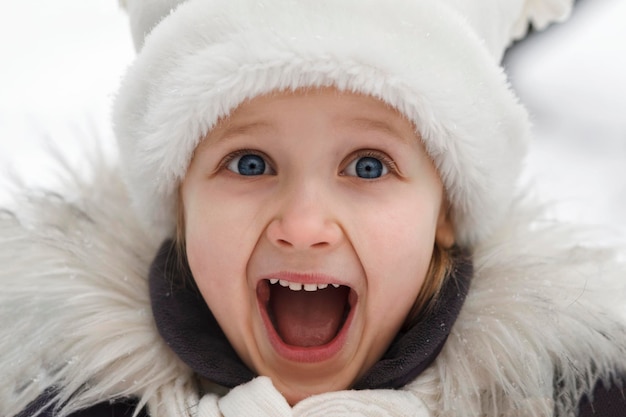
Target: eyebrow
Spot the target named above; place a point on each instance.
(381, 126)
(228, 130)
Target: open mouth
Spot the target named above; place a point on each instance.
(305, 316)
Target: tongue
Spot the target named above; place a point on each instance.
(308, 319)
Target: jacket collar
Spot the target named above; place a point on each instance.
(191, 331)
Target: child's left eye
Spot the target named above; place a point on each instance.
(248, 164)
(367, 167)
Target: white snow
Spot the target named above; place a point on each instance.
(61, 62)
(60, 65)
(572, 78)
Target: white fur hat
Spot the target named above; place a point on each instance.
(436, 61)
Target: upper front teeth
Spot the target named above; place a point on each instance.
(296, 286)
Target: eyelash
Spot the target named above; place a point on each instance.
(370, 153)
(241, 152)
(365, 153)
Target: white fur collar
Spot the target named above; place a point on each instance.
(75, 313)
(543, 307)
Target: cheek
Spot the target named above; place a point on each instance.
(221, 234)
(218, 241)
(209, 248)
(396, 253)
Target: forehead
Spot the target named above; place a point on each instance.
(326, 106)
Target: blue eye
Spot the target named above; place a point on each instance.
(249, 165)
(367, 167)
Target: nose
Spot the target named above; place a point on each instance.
(304, 220)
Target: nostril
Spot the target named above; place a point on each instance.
(287, 244)
(320, 245)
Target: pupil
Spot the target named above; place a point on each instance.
(251, 165)
(369, 167)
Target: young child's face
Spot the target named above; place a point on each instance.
(316, 190)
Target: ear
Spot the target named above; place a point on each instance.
(444, 235)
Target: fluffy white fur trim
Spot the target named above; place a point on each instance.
(74, 304)
(145, 15)
(545, 319)
(497, 22)
(420, 57)
(75, 314)
(539, 14)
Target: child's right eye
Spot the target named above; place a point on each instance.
(248, 164)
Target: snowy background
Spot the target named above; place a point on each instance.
(61, 62)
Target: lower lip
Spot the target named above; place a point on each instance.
(313, 354)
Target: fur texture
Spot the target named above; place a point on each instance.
(543, 311)
(145, 15)
(498, 22)
(421, 57)
(75, 306)
(539, 14)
